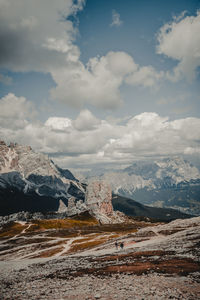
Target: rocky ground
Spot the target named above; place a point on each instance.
(158, 262)
(52, 281)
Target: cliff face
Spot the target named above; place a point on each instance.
(99, 196)
(30, 181)
(99, 203)
(24, 160)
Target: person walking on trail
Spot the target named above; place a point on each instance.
(122, 245)
(116, 245)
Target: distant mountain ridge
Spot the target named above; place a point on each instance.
(135, 209)
(30, 181)
(170, 183)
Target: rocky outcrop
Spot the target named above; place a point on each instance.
(98, 197)
(99, 203)
(62, 207)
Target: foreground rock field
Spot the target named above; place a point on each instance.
(159, 261)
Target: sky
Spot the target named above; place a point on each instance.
(96, 82)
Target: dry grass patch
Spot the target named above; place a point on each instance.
(97, 236)
(47, 253)
(79, 241)
(11, 229)
(87, 245)
(61, 224)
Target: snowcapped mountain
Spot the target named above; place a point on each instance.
(31, 181)
(176, 169)
(170, 182)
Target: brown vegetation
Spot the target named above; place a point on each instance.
(47, 253)
(11, 229)
(87, 245)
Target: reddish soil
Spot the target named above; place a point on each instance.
(135, 255)
(168, 266)
(173, 266)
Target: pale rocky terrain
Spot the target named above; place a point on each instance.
(159, 261)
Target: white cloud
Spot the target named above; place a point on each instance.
(116, 21)
(192, 151)
(88, 140)
(15, 111)
(180, 40)
(97, 84)
(33, 40)
(56, 123)
(145, 76)
(86, 121)
(29, 31)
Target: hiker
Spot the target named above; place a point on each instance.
(122, 245)
(116, 245)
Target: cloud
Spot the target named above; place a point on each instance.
(192, 151)
(56, 123)
(116, 21)
(15, 111)
(86, 121)
(28, 34)
(149, 135)
(97, 84)
(33, 40)
(180, 40)
(88, 140)
(145, 76)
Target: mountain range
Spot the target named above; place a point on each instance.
(165, 183)
(30, 181)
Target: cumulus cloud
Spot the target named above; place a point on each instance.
(56, 123)
(180, 40)
(33, 40)
(145, 76)
(98, 83)
(87, 140)
(116, 21)
(29, 34)
(15, 111)
(86, 121)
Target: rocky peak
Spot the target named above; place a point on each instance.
(99, 202)
(24, 160)
(54, 188)
(99, 196)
